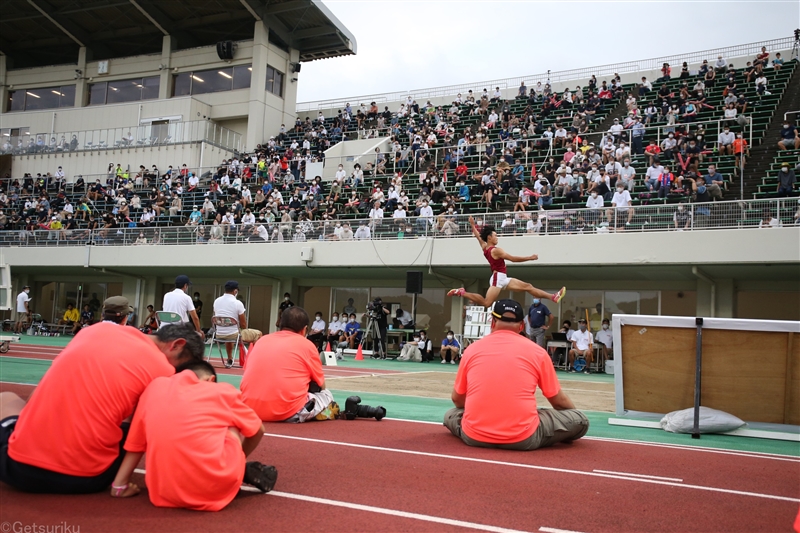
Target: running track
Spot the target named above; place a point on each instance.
(394, 475)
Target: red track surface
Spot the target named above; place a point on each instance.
(551, 488)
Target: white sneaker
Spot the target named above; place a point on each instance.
(452, 362)
(443, 361)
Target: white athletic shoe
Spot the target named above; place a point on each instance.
(452, 362)
(444, 362)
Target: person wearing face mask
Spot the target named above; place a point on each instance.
(789, 137)
(285, 304)
(725, 141)
(620, 208)
(652, 175)
(229, 306)
(411, 350)
(582, 346)
(786, 180)
(539, 320)
(140, 240)
(351, 332)
(23, 309)
(741, 151)
(668, 145)
(605, 338)
(335, 330)
(450, 352)
(682, 218)
(316, 332)
(628, 175)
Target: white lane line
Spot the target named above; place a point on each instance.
(675, 479)
(554, 530)
(25, 358)
(18, 383)
(753, 455)
(385, 511)
(539, 467)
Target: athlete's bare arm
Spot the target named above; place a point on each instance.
(499, 253)
(477, 234)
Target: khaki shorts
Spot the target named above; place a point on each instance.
(248, 335)
(554, 426)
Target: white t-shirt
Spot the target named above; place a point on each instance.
(22, 299)
(228, 306)
(335, 327)
(622, 199)
(582, 339)
(178, 302)
(262, 232)
(606, 337)
(375, 213)
(654, 172)
(594, 202)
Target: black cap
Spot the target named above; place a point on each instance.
(182, 280)
(508, 306)
(582, 320)
(231, 286)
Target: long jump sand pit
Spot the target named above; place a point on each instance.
(586, 394)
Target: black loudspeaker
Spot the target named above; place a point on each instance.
(414, 282)
(297, 67)
(225, 50)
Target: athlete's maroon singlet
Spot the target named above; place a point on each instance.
(498, 265)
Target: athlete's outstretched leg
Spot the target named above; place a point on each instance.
(477, 299)
(517, 285)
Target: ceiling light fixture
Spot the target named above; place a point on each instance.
(197, 79)
(225, 74)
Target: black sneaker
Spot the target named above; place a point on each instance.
(261, 476)
(229, 363)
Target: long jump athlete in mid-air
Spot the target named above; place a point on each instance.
(497, 257)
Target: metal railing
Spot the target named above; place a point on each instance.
(684, 216)
(141, 136)
(641, 65)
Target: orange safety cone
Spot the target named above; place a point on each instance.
(328, 347)
(359, 354)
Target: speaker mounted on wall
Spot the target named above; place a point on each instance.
(414, 282)
(225, 50)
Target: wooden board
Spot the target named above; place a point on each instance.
(658, 368)
(754, 375)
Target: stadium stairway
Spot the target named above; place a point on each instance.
(618, 112)
(762, 155)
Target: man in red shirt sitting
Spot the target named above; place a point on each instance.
(495, 387)
(68, 438)
(196, 434)
(284, 382)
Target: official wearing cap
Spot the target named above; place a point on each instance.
(495, 387)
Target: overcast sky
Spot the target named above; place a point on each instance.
(414, 44)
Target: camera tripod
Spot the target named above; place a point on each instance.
(796, 45)
(374, 333)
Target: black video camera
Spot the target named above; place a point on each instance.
(375, 308)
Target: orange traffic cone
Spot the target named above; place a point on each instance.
(359, 354)
(328, 347)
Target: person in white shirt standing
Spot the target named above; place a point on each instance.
(23, 309)
(179, 302)
(229, 306)
(582, 346)
(620, 208)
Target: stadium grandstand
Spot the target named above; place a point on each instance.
(144, 140)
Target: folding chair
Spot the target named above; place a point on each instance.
(168, 317)
(226, 322)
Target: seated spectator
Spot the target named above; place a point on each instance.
(493, 393)
(769, 221)
(283, 380)
(403, 319)
(411, 350)
(351, 333)
(71, 318)
(725, 141)
(621, 208)
(777, 63)
(450, 351)
(790, 137)
(316, 333)
(188, 422)
(594, 202)
(335, 330)
(93, 394)
(715, 181)
(228, 305)
(786, 180)
(605, 338)
(582, 346)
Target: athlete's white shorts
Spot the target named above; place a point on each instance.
(499, 279)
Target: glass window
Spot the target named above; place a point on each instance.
(67, 96)
(241, 76)
(648, 303)
(582, 304)
(150, 87)
(212, 81)
(42, 98)
(183, 84)
(274, 81)
(16, 100)
(97, 93)
(124, 91)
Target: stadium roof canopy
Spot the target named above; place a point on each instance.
(36, 33)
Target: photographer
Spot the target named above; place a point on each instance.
(380, 314)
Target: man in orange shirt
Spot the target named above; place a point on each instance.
(494, 392)
(196, 434)
(284, 382)
(68, 438)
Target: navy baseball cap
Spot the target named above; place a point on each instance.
(231, 285)
(508, 306)
(182, 280)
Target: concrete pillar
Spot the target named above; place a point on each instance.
(726, 299)
(457, 314)
(165, 83)
(3, 82)
(705, 299)
(256, 128)
(81, 85)
(290, 90)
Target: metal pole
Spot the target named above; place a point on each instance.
(697, 378)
